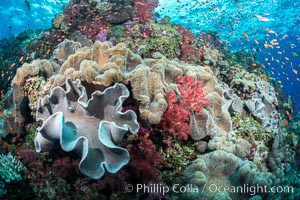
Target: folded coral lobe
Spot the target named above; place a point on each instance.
(91, 127)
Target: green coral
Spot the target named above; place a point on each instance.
(240, 80)
(117, 31)
(10, 168)
(150, 38)
(177, 155)
(30, 133)
(164, 39)
(251, 130)
(36, 88)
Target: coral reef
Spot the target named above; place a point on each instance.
(104, 64)
(71, 120)
(198, 114)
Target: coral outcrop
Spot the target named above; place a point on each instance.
(91, 127)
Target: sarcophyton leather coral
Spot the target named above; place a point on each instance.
(91, 127)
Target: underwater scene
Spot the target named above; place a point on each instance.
(150, 99)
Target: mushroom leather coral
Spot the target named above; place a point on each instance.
(91, 127)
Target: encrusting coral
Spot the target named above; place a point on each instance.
(91, 127)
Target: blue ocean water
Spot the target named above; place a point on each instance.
(16, 16)
(268, 28)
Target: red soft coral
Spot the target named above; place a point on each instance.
(187, 50)
(175, 119)
(143, 9)
(192, 99)
(192, 96)
(145, 159)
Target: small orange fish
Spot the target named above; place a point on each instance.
(295, 71)
(246, 35)
(139, 3)
(144, 35)
(285, 122)
(261, 18)
(20, 60)
(48, 51)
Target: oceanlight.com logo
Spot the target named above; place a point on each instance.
(212, 188)
(250, 189)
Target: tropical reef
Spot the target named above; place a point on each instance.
(110, 103)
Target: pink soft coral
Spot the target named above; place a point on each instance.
(192, 96)
(192, 99)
